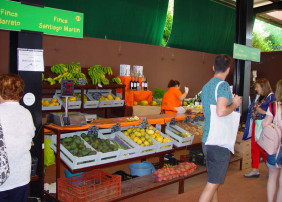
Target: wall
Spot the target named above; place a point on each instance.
(161, 64)
(4, 52)
(270, 67)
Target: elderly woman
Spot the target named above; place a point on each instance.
(257, 111)
(18, 130)
(173, 97)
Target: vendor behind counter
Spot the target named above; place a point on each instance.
(173, 97)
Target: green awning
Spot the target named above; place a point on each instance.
(140, 21)
(203, 25)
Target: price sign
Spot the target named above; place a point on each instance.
(67, 87)
(115, 128)
(172, 122)
(144, 124)
(187, 119)
(81, 81)
(93, 130)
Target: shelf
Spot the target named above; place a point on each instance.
(34, 178)
(46, 85)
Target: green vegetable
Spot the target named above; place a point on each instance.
(158, 93)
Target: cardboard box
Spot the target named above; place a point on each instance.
(244, 155)
(243, 147)
(124, 70)
(246, 164)
(138, 70)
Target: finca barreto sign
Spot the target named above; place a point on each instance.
(16, 16)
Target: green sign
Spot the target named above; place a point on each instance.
(17, 16)
(246, 53)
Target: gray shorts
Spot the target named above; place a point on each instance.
(217, 161)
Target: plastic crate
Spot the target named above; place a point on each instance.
(163, 146)
(95, 185)
(45, 108)
(143, 150)
(104, 103)
(118, 103)
(71, 105)
(119, 136)
(72, 161)
(90, 103)
(103, 157)
(196, 156)
(177, 140)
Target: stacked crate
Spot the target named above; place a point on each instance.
(243, 149)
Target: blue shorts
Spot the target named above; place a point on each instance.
(217, 161)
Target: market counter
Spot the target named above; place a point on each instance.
(145, 110)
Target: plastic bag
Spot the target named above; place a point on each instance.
(49, 156)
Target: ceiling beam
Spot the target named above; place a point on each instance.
(267, 8)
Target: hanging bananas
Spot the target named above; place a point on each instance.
(59, 69)
(50, 80)
(97, 76)
(107, 70)
(74, 68)
(117, 80)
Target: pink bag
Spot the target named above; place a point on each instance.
(270, 138)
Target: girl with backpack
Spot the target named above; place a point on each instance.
(274, 110)
(257, 111)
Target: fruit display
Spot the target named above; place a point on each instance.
(191, 128)
(85, 99)
(75, 145)
(97, 74)
(68, 72)
(168, 173)
(117, 80)
(70, 99)
(135, 118)
(143, 102)
(139, 136)
(101, 145)
(153, 103)
(142, 136)
(50, 102)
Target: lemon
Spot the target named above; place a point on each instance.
(139, 142)
(45, 103)
(146, 143)
(54, 100)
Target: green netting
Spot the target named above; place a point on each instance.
(203, 25)
(140, 21)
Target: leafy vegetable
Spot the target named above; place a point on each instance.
(158, 93)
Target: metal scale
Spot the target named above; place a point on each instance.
(67, 119)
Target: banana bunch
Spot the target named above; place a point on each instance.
(116, 80)
(107, 70)
(67, 76)
(105, 81)
(50, 80)
(74, 68)
(96, 74)
(79, 76)
(59, 69)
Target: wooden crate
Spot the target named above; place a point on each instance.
(239, 136)
(244, 155)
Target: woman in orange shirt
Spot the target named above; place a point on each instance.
(173, 97)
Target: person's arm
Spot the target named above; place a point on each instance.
(183, 96)
(222, 108)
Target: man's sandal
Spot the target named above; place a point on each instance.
(252, 174)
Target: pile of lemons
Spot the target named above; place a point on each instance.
(142, 136)
(70, 99)
(109, 97)
(47, 103)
